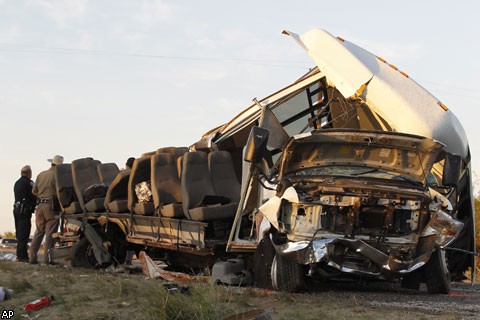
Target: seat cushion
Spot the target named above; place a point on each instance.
(66, 196)
(74, 207)
(118, 206)
(173, 210)
(214, 212)
(144, 208)
(95, 205)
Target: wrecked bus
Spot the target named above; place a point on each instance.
(354, 169)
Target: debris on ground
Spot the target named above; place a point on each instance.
(231, 272)
(115, 269)
(39, 303)
(152, 270)
(175, 288)
(5, 293)
(8, 257)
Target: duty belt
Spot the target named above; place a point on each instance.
(44, 200)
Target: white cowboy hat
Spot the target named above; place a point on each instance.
(56, 160)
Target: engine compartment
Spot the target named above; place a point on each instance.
(351, 212)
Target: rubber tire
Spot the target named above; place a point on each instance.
(287, 275)
(437, 275)
(82, 255)
(119, 245)
(262, 264)
(413, 279)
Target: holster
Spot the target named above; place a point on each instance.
(16, 207)
(22, 208)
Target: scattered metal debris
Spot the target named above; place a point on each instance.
(231, 272)
(152, 270)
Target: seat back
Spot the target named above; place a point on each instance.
(84, 174)
(180, 151)
(179, 166)
(65, 189)
(141, 171)
(179, 158)
(195, 180)
(117, 190)
(223, 175)
(107, 172)
(171, 150)
(166, 187)
(148, 154)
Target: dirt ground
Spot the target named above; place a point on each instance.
(97, 294)
(463, 302)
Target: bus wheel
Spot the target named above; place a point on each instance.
(287, 275)
(82, 255)
(437, 274)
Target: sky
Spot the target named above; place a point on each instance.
(114, 79)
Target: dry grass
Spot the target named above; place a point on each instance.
(90, 294)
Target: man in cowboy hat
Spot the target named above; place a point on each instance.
(46, 215)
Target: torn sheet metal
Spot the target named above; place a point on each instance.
(342, 68)
(270, 208)
(322, 250)
(394, 152)
(152, 270)
(404, 104)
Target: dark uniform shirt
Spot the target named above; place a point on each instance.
(23, 192)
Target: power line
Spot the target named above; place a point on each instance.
(450, 86)
(273, 63)
(461, 95)
(69, 51)
(448, 89)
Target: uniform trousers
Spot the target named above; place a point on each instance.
(23, 226)
(46, 221)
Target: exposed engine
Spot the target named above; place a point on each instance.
(341, 225)
(350, 213)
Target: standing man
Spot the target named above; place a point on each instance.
(22, 211)
(46, 214)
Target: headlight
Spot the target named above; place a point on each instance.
(444, 226)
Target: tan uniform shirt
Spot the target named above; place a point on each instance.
(44, 187)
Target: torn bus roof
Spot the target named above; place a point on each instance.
(380, 96)
(252, 113)
(404, 104)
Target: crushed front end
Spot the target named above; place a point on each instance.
(358, 203)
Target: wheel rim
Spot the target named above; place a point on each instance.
(274, 273)
(444, 266)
